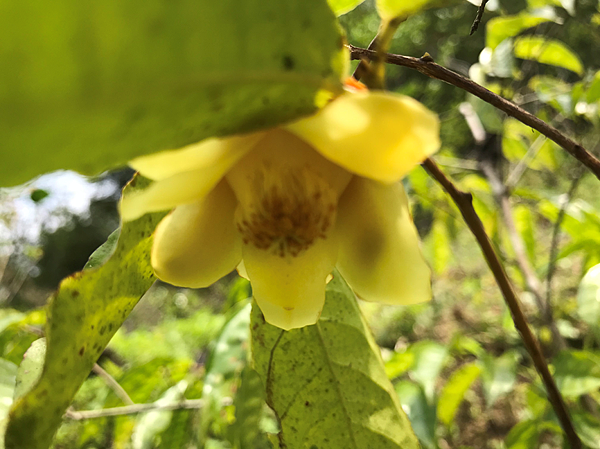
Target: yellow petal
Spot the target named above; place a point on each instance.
(198, 243)
(200, 155)
(179, 184)
(378, 135)
(290, 290)
(379, 253)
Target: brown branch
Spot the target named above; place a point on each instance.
(429, 68)
(464, 202)
(479, 16)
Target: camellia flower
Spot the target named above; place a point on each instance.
(288, 205)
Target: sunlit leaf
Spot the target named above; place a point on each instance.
(88, 87)
(524, 435)
(30, 368)
(548, 51)
(390, 9)
(398, 364)
(326, 382)
(588, 297)
(500, 28)
(83, 315)
(454, 391)
(577, 372)
(343, 6)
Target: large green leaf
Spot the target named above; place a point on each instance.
(83, 315)
(90, 85)
(326, 382)
(548, 51)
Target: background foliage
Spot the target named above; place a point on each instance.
(457, 364)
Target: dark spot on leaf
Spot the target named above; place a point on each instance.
(288, 62)
(307, 403)
(92, 326)
(75, 293)
(65, 360)
(102, 330)
(81, 351)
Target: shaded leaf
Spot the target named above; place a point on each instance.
(30, 368)
(83, 315)
(421, 413)
(103, 253)
(524, 435)
(593, 92)
(91, 86)
(326, 383)
(454, 391)
(587, 427)
(548, 51)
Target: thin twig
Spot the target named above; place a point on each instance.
(464, 202)
(478, 18)
(429, 68)
(113, 384)
(134, 409)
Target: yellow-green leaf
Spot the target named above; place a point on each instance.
(548, 51)
(343, 6)
(83, 315)
(390, 9)
(326, 383)
(500, 28)
(454, 391)
(88, 86)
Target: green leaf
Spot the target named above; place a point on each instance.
(390, 9)
(340, 7)
(499, 375)
(30, 368)
(500, 28)
(587, 427)
(103, 253)
(420, 412)
(454, 391)
(400, 363)
(92, 86)
(245, 432)
(588, 297)
(326, 383)
(430, 357)
(593, 92)
(576, 372)
(83, 315)
(548, 51)
(524, 435)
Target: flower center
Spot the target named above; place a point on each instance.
(291, 208)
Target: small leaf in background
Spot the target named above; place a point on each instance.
(38, 195)
(8, 375)
(593, 92)
(576, 372)
(92, 87)
(500, 28)
(83, 315)
(548, 51)
(249, 402)
(430, 357)
(421, 413)
(30, 368)
(227, 360)
(454, 391)
(587, 427)
(152, 423)
(103, 253)
(524, 435)
(499, 375)
(588, 297)
(398, 364)
(326, 383)
(340, 7)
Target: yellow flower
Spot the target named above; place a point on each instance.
(288, 205)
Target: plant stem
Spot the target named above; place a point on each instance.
(464, 202)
